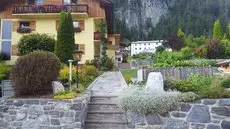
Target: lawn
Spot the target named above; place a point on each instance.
(130, 72)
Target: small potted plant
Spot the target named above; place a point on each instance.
(97, 35)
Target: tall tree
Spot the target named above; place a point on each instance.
(181, 34)
(65, 38)
(217, 30)
(175, 43)
(228, 31)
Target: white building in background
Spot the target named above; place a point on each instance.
(145, 46)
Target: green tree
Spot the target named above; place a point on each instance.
(228, 31)
(65, 38)
(181, 34)
(217, 30)
(187, 53)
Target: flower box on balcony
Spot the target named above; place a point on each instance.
(97, 35)
(77, 30)
(24, 30)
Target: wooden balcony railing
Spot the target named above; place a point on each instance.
(25, 9)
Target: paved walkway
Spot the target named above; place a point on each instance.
(109, 84)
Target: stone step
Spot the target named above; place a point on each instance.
(103, 107)
(106, 116)
(93, 124)
(104, 99)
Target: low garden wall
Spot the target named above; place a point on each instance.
(202, 114)
(44, 113)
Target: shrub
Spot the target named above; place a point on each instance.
(146, 102)
(65, 95)
(65, 38)
(87, 74)
(187, 53)
(4, 71)
(128, 79)
(89, 70)
(169, 84)
(215, 91)
(189, 96)
(108, 64)
(214, 49)
(225, 83)
(33, 73)
(32, 42)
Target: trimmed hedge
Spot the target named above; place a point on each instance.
(33, 42)
(33, 73)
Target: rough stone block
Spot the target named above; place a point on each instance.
(213, 126)
(199, 114)
(197, 126)
(185, 107)
(177, 124)
(224, 102)
(225, 124)
(153, 120)
(178, 114)
(222, 111)
(55, 122)
(209, 101)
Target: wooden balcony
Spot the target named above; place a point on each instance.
(50, 11)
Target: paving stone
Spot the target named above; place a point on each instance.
(199, 114)
(18, 103)
(209, 101)
(177, 124)
(222, 111)
(225, 125)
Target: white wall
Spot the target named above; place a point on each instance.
(145, 46)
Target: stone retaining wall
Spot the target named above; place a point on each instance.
(203, 114)
(44, 113)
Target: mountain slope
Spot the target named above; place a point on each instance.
(157, 19)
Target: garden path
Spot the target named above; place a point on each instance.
(109, 84)
(104, 112)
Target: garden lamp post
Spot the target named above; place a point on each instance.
(77, 55)
(70, 74)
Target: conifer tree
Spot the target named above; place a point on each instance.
(228, 31)
(217, 30)
(65, 38)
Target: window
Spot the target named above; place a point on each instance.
(145, 44)
(135, 48)
(39, 2)
(149, 43)
(6, 50)
(68, 2)
(76, 24)
(140, 48)
(24, 25)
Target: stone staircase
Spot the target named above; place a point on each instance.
(104, 113)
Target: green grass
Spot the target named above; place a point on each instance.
(131, 73)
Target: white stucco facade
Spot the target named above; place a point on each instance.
(145, 46)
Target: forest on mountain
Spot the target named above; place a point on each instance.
(194, 17)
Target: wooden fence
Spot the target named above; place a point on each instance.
(179, 73)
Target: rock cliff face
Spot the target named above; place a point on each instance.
(140, 15)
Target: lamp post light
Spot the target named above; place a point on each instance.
(77, 55)
(70, 74)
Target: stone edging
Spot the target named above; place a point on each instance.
(202, 114)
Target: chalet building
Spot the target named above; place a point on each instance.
(42, 16)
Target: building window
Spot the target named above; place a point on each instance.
(68, 2)
(35, 2)
(149, 43)
(135, 48)
(140, 48)
(75, 24)
(24, 25)
(145, 44)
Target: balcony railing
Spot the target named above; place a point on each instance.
(25, 9)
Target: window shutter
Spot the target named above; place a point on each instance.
(82, 48)
(15, 25)
(33, 25)
(57, 24)
(82, 24)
